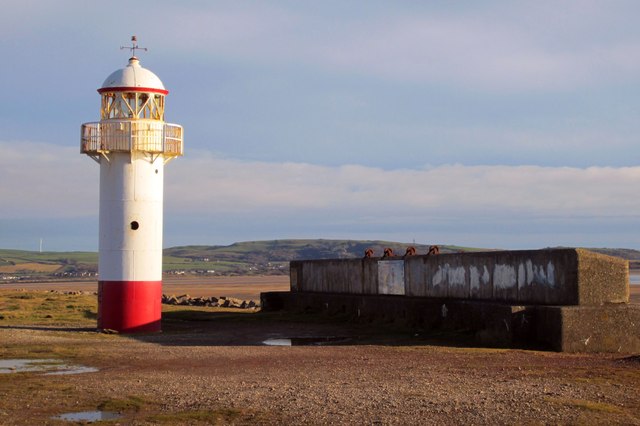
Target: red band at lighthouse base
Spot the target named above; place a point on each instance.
(130, 306)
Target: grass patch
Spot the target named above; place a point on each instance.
(31, 398)
(209, 417)
(22, 296)
(593, 406)
(89, 314)
(76, 350)
(30, 267)
(46, 308)
(131, 403)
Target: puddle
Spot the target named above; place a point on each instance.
(88, 416)
(277, 342)
(28, 365)
(72, 369)
(45, 366)
(307, 341)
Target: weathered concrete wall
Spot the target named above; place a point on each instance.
(542, 277)
(610, 328)
(607, 328)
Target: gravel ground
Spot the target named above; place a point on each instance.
(217, 371)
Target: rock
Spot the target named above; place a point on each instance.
(212, 302)
(183, 300)
(235, 302)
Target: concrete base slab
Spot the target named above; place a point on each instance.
(609, 328)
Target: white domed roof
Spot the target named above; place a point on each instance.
(133, 78)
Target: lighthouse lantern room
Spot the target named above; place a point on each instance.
(132, 143)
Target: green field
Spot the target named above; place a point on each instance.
(245, 258)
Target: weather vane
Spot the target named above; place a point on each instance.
(134, 46)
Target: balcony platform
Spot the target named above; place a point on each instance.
(146, 136)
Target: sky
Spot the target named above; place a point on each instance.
(493, 124)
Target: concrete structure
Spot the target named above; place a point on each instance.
(132, 143)
(561, 299)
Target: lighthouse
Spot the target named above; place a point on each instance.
(131, 143)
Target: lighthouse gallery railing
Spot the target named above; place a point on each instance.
(128, 136)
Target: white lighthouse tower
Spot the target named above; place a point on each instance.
(132, 143)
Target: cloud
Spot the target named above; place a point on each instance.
(230, 199)
(228, 185)
(42, 180)
(481, 206)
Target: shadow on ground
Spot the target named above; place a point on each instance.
(202, 328)
(190, 327)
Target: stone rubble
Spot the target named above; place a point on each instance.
(186, 300)
(73, 293)
(212, 302)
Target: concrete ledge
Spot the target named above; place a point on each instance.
(526, 277)
(612, 328)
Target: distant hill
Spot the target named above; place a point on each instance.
(273, 256)
(286, 250)
(245, 258)
(633, 256)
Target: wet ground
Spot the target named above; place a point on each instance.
(212, 367)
